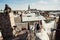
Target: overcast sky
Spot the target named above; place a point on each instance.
(38, 4)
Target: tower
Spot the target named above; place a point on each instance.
(28, 7)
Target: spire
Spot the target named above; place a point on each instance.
(28, 7)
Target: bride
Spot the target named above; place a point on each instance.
(42, 34)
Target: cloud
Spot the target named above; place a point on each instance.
(55, 0)
(40, 4)
(43, 2)
(46, 5)
(20, 7)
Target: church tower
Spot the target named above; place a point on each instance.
(28, 7)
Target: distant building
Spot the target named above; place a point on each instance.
(28, 7)
(32, 10)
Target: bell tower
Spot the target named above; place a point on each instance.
(28, 7)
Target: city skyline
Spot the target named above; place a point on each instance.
(38, 4)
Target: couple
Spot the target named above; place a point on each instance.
(42, 34)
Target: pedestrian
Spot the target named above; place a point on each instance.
(57, 36)
(6, 29)
(42, 34)
(37, 27)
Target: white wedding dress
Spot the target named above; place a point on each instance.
(48, 26)
(42, 35)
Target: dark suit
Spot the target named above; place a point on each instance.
(57, 36)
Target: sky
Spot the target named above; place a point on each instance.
(34, 4)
